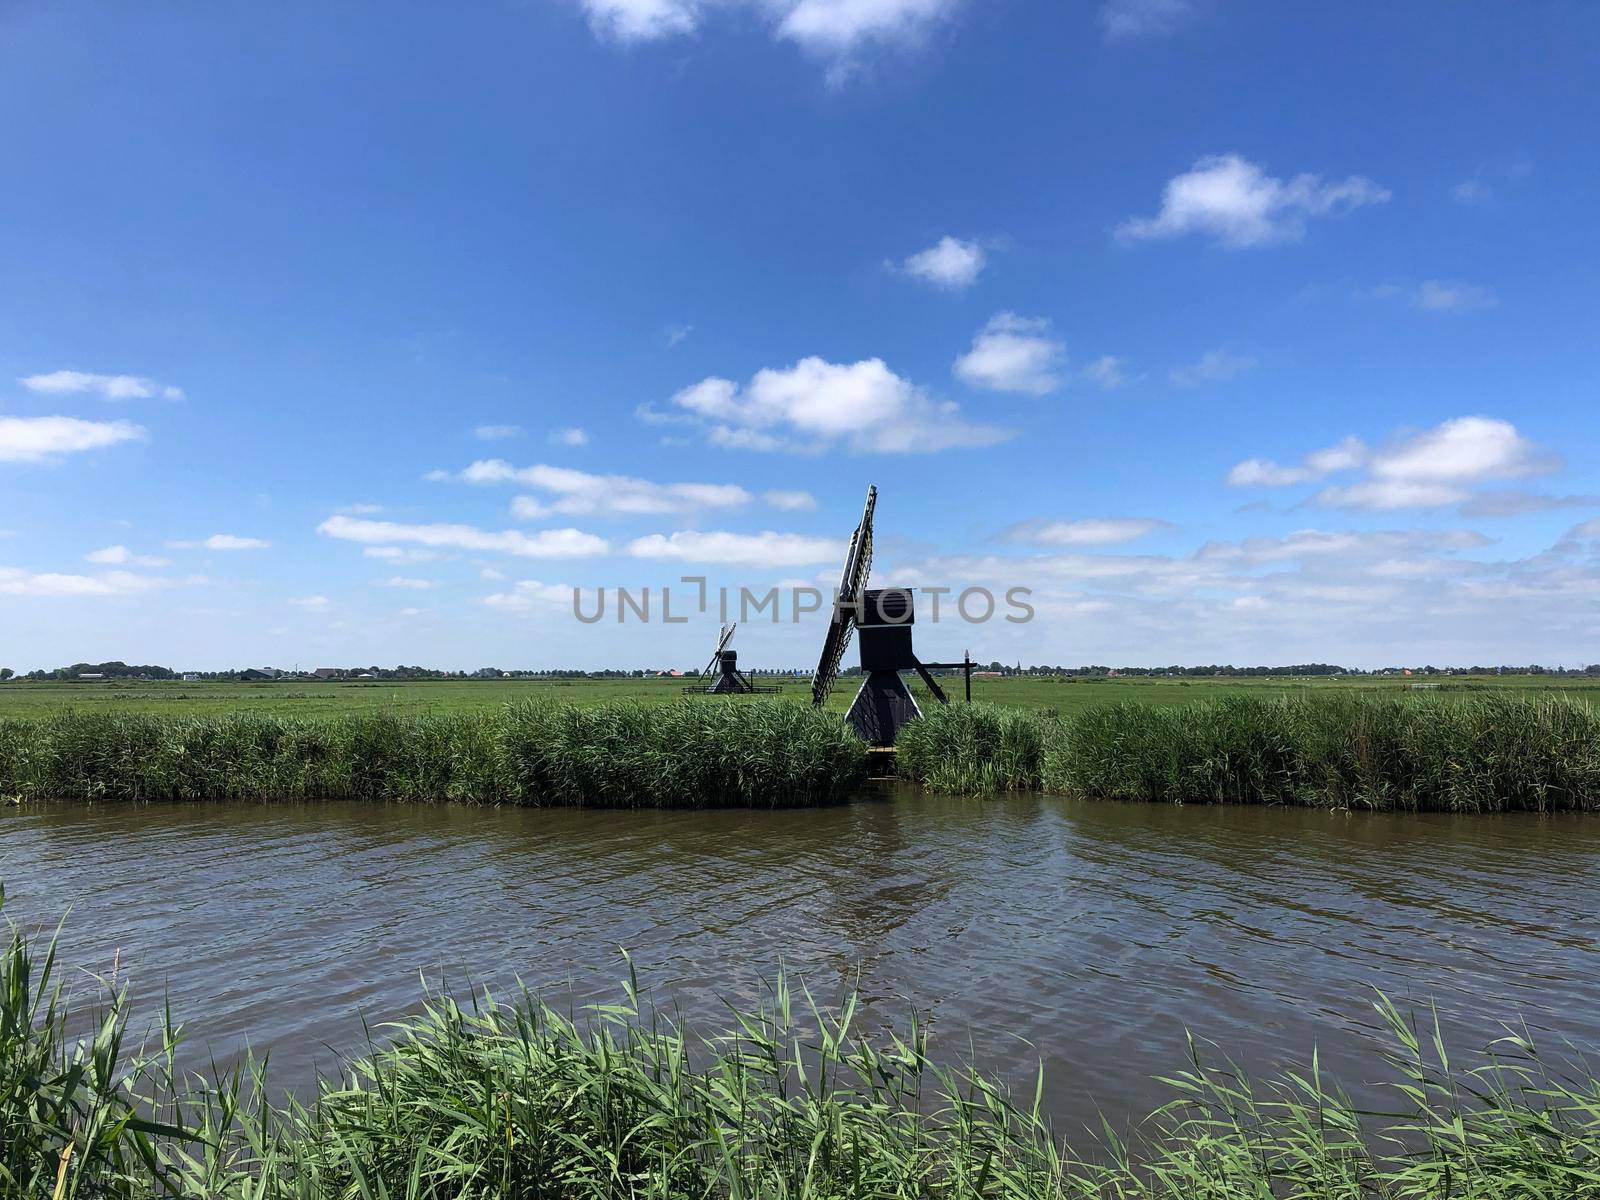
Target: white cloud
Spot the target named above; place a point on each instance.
(549, 543)
(110, 387)
(833, 29)
(360, 510)
(762, 549)
(1107, 371)
(1013, 354)
(814, 403)
(791, 501)
(1099, 531)
(121, 556)
(17, 582)
(1437, 295)
(1388, 494)
(497, 433)
(311, 603)
(676, 333)
(1215, 366)
(1261, 472)
(1143, 18)
(572, 436)
(40, 439)
(531, 595)
(1435, 468)
(838, 27)
(222, 541)
(1589, 530)
(581, 493)
(951, 264)
(1240, 205)
(400, 554)
(641, 20)
(1463, 450)
(410, 584)
(1470, 191)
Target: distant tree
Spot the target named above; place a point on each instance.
(6, 673)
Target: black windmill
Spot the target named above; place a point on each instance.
(723, 670)
(885, 618)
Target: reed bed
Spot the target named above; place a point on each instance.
(1422, 753)
(1418, 753)
(627, 754)
(971, 749)
(496, 1099)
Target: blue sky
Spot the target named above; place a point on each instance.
(1237, 331)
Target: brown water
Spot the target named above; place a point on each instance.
(1087, 935)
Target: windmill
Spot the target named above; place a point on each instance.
(723, 670)
(885, 618)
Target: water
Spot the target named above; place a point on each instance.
(1085, 935)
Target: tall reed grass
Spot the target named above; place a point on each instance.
(975, 748)
(1478, 754)
(516, 1099)
(632, 754)
(1469, 754)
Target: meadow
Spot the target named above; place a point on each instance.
(1065, 694)
(514, 1098)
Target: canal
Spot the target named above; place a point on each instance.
(1029, 928)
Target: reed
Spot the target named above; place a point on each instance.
(630, 754)
(1481, 754)
(1422, 753)
(1425, 753)
(971, 749)
(496, 1099)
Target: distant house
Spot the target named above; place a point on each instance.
(326, 672)
(366, 675)
(191, 677)
(90, 676)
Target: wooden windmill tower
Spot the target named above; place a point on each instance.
(884, 619)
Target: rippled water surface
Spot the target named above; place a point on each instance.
(1088, 935)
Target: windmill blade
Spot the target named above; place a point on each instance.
(852, 580)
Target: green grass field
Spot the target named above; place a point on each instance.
(1067, 695)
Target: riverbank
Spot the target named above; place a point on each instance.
(1417, 753)
(520, 1099)
(1424, 753)
(625, 754)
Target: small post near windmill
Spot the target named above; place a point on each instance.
(884, 618)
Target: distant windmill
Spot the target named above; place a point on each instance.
(884, 617)
(723, 670)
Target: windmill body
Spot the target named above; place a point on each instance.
(884, 704)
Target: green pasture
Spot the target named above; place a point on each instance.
(1065, 694)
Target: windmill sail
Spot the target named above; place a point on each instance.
(857, 565)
